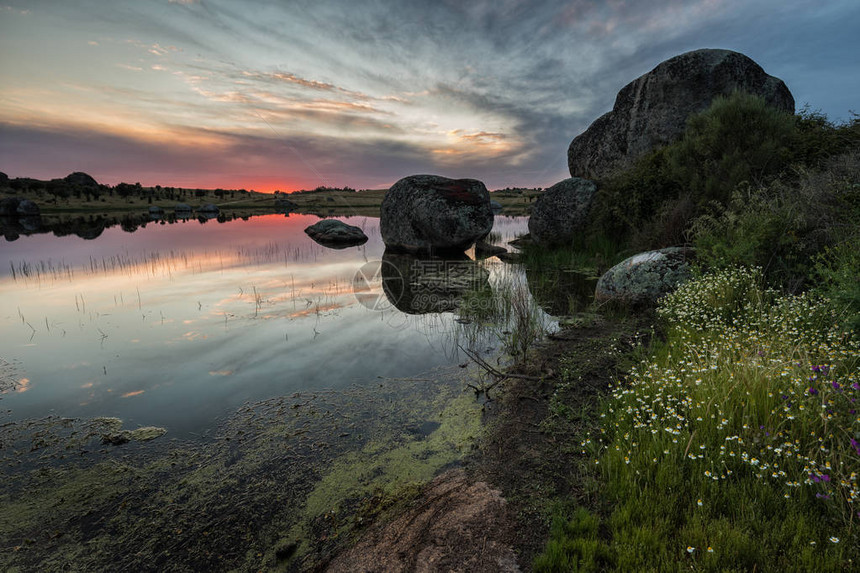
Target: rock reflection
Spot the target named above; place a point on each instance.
(421, 285)
(560, 292)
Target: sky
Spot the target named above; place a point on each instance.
(293, 94)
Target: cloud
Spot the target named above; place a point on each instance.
(490, 88)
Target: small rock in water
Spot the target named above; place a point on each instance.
(144, 434)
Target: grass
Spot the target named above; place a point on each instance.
(734, 447)
(508, 312)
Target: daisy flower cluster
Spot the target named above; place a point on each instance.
(751, 386)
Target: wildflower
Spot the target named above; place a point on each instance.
(834, 540)
(699, 503)
(690, 549)
(710, 549)
(812, 391)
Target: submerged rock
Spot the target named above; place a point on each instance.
(336, 234)
(561, 211)
(430, 213)
(118, 437)
(652, 110)
(643, 278)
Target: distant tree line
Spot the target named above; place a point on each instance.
(82, 186)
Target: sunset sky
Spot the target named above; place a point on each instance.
(269, 94)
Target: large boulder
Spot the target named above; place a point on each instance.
(652, 110)
(27, 208)
(284, 204)
(9, 206)
(643, 278)
(561, 211)
(336, 234)
(81, 179)
(429, 213)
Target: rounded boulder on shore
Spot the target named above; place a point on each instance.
(643, 278)
(430, 213)
(561, 212)
(653, 109)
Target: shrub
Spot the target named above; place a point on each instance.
(784, 226)
(738, 138)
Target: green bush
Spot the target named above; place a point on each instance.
(738, 139)
(837, 275)
(738, 145)
(784, 226)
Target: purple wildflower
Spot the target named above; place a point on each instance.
(812, 391)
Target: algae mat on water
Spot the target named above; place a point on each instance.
(282, 485)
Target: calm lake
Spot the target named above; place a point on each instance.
(177, 325)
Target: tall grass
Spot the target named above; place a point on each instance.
(509, 313)
(735, 447)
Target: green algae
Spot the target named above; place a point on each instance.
(258, 496)
(390, 464)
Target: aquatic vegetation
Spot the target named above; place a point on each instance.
(284, 480)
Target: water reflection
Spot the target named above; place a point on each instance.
(562, 291)
(178, 324)
(416, 285)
